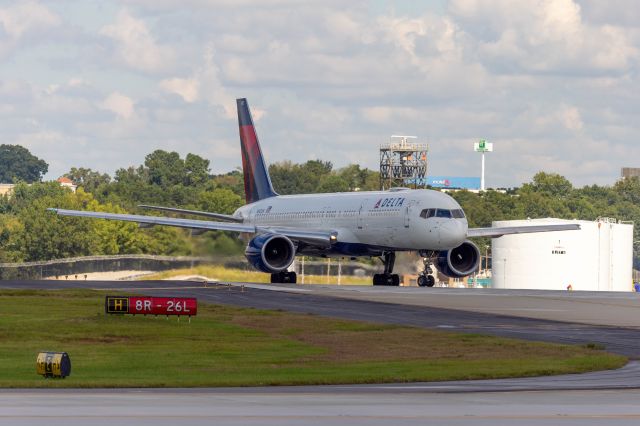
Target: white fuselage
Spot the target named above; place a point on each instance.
(368, 222)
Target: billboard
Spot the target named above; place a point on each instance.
(483, 146)
(456, 182)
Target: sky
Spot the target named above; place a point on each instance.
(553, 84)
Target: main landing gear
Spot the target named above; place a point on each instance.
(388, 278)
(284, 277)
(426, 278)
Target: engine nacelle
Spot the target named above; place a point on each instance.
(460, 261)
(270, 253)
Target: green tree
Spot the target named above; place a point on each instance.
(220, 200)
(234, 181)
(113, 236)
(10, 244)
(165, 168)
(549, 183)
(354, 177)
(43, 234)
(332, 183)
(628, 189)
(196, 170)
(88, 179)
(18, 164)
(289, 178)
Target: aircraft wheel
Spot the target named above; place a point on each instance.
(276, 278)
(426, 280)
(290, 277)
(395, 280)
(284, 278)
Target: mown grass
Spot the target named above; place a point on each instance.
(221, 273)
(226, 346)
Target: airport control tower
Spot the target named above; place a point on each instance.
(403, 163)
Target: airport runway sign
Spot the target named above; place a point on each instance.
(144, 305)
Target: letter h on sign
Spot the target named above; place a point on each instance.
(116, 305)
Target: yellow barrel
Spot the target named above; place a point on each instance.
(53, 364)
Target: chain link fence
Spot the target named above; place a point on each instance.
(71, 267)
(89, 264)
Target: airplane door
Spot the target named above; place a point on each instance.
(252, 214)
(407, 216)
(361, 214)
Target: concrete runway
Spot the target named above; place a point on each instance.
(616, 309)
(609, 398)
(204, 407)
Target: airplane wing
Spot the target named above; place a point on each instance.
(218, 216)
(496, 232)
(314, 237)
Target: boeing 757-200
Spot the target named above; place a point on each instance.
(349, 224)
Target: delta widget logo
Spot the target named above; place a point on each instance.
(389, 202)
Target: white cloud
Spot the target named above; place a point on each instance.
(186, 88)
(21, 20)
(119, 104)
(136, 46)
(548, 36)
(204, 83)
(546, 81)
(571, 118)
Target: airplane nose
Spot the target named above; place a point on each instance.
(452, 233)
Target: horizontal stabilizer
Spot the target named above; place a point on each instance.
(495, 232)
(218, 216)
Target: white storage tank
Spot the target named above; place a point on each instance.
(598, 257)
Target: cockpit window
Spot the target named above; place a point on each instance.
(458, 213)
(427, 213)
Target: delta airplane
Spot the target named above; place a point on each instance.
(351, 224)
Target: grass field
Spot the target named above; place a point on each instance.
(221, 273)
(225, 346)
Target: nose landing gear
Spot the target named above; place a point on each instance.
(426, 278)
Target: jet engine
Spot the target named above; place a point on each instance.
(270, 253)
(460, 261)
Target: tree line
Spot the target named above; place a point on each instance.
(28, 232)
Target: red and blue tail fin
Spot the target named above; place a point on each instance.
(257, 184)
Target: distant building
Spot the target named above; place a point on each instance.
(7, 188)
(628, 172)
(454, 182)
(448, 182)
(67, 183)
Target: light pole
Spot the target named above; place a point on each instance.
(486, 260)
(482, 146)
(504, 274)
